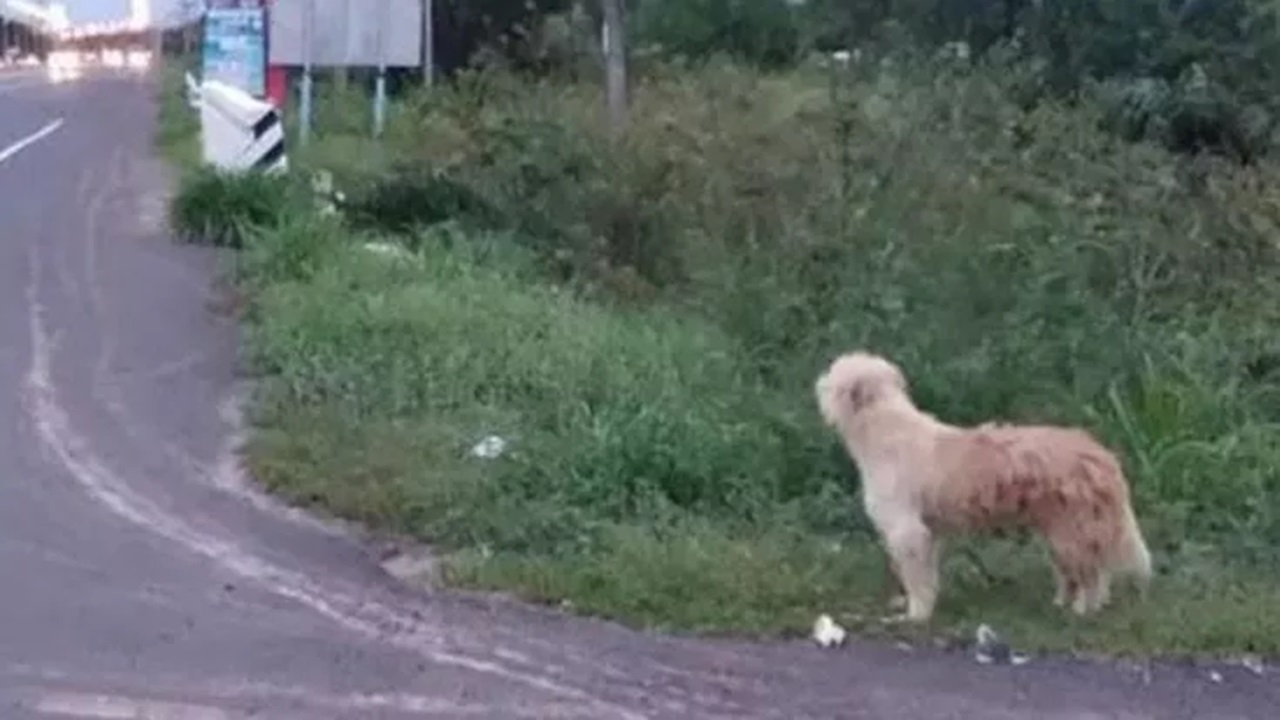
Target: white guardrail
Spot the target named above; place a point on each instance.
(238, 132)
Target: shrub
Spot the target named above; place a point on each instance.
(296, 248)
(218, 208)
(410, 197)
(761, 32)
(615, 416)
(1217, 60)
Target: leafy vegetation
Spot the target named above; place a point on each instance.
(1192, 74)
(221, 208)
(641, 319)
(178, 125)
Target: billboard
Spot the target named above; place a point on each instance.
(235, 48)
(346, 33)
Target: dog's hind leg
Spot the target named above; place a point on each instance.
(1089, 592)
(1100, 592)
(1063, 587)
(915, 553)
(1073, 581)
(1095, 588)
(1086, 586)
(1077, 588)
(893, 582)
(1082, 583)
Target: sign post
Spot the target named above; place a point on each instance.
(380, 82)
(277, 75)
(428, 43)
(342, 34)
(308, 33)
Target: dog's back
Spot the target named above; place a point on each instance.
(1056, 480)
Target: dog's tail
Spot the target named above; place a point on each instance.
(1132, 555)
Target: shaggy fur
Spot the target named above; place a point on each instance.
(923, 479)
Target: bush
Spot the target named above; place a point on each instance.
(615, 416)
(410, 197)
(1018, 263)
(1215, 61)
(297, 247)
(217, 207)
(760, 32)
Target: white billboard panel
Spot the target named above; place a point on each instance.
(345, 33)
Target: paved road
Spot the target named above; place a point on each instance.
(142, 578)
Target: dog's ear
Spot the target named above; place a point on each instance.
(871, 390)
(862, 394)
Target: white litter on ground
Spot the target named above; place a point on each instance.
(489, 448)
(827, 633)
(388, 250)
(1253, 664)
(326, 196)
(989, 649)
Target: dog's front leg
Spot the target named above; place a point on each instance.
(914, 552)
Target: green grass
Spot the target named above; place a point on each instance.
(217, 207)
(382, 374)
(643, 321)
(706, 581)
(177, 124)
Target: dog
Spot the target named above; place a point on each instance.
(924, 480)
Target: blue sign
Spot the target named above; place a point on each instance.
(235, 48)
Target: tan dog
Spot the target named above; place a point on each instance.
(923, 479)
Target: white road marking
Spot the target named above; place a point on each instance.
(115, 707)
(30, 140)
(212, 700)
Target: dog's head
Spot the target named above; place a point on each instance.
(854, 382)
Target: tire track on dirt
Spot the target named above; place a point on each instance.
(371, 619)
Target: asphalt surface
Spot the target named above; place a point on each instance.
(141, 576)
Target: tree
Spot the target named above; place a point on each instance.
(765, 33)
(464, 27)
